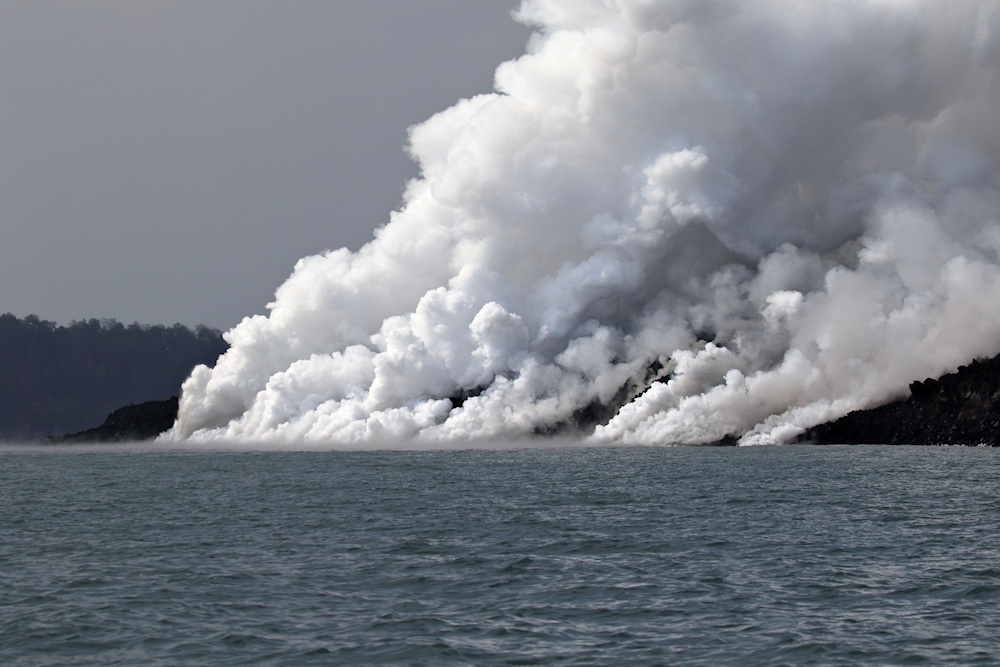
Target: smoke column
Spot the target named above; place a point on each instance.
(726, 217)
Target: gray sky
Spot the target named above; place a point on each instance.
(169, 160)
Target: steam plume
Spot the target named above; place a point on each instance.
(773, 211)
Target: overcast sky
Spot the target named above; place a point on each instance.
(168, 161)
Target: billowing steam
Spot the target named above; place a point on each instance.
(730, 217)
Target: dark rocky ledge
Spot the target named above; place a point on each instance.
(133, 422)
(961, 408)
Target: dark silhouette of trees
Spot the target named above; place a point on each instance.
(61, 379)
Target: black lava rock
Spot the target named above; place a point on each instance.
(133, 422)
(962, 408)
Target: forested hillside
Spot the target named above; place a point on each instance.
(60, 379)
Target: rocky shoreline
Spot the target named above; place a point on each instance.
(144, 421)
(961, 408)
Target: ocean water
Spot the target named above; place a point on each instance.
(523, 556)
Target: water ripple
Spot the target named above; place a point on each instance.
(591, 556)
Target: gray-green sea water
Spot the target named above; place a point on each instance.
(794, 555)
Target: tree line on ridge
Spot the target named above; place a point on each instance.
(60, 379)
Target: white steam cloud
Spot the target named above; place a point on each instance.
(768, 212)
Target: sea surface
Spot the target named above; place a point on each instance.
(500, 556)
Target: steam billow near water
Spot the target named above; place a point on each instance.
(675, 221)
(529, 556)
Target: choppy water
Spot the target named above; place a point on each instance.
(792, 555)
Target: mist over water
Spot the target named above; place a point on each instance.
(730, 218)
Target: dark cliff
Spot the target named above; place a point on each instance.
(961, 408)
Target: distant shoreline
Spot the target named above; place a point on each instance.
(960, 408)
